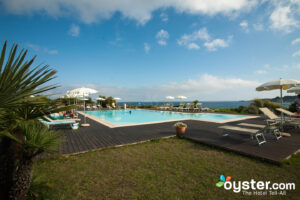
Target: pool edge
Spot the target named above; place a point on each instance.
(111, 125)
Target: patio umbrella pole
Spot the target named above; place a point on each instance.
(84, 109)
(281, 116)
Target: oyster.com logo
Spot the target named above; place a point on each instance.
(253, 187)
(222, 180)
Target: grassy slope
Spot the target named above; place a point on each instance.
(162, 169)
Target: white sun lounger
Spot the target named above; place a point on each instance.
(59, 120)
(288, 113)
(246, 131)
(273, 118)
(56, 123)
(272, 127)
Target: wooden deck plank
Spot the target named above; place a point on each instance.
(99, 136)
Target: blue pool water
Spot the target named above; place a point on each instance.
(123, 117)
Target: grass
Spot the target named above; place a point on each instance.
(161, 169)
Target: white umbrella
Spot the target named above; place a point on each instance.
(181, 97)
(117, 98)
(294, 90)
(281, 84)
(82, 92)
(169, 97)
(74, 95)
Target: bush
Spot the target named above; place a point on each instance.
(145, 106)
(230, 110)
(252, 109)
(258, 103)
(271, 105)
(293, 107)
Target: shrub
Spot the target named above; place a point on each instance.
(293, 107)
(258, 103)
(252, 109)
(271, 105)
(180, 125)
(145, 106)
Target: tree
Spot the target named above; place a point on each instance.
(22, 137)
(195, 103)
(109, 101)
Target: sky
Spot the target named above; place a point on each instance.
(141, 50)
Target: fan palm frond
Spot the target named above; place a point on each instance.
(18, 81)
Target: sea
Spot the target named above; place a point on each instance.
(208, 104)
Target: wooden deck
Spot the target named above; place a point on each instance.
(98, 136)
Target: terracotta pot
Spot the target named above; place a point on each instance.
(180, 131)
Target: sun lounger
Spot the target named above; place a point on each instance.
(58, 120)
(273, 118)
(252, 125)
(273, 128)
(180, 107)
(187, 107)
(206, 109)
(257, 133)
(164, 107)
(197, 108)
(191, 107)
(288, 113)
(99, 106)
(56, 123)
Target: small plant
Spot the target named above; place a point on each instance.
(180, 125)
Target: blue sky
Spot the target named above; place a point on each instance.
(146, 50)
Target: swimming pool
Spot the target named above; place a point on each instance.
(117, 118)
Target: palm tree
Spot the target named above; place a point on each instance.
(21, 137)
(38, 140)
(17, 80)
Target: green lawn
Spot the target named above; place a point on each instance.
(160, 169)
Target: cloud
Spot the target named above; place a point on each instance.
(162, 37)
(217, 43)
(297, 53)
(164, 17)
(74, 30)
(33, 46)
(191, 41)
(52, 52)
(296, 41)
(244, 26)
(90, 11)
(258, 27)
(41, 49)
(147, 48)
(204, 87)
(193, 46)
(199, 35)
(260, 72)
(284, 16)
